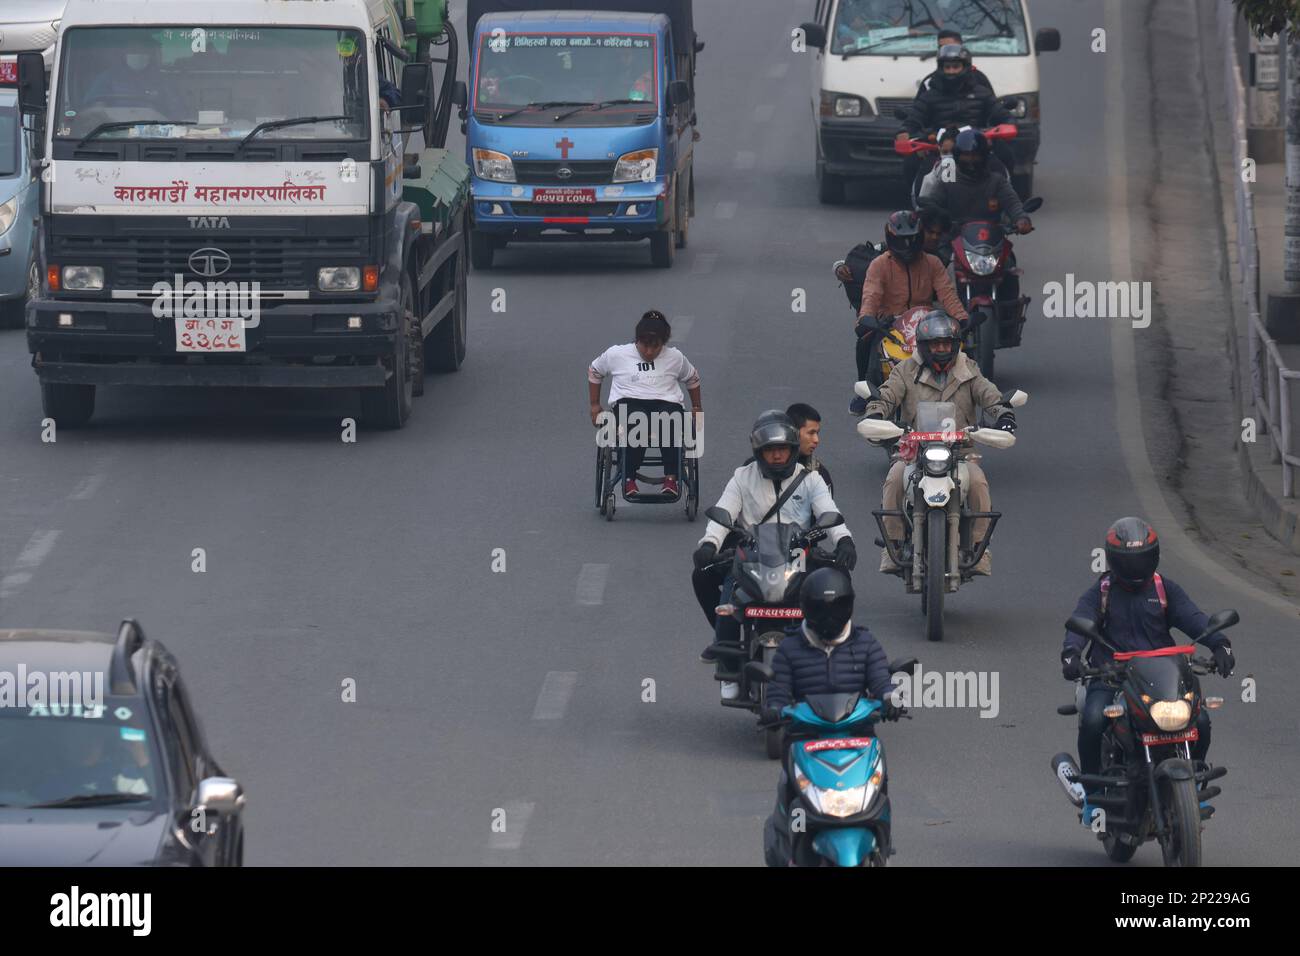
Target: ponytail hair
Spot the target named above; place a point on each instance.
(654, 325)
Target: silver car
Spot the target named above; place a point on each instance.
(19, 278)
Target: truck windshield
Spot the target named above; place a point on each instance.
(910, 27)
(10, 130)
(517, 69)
(211, 83)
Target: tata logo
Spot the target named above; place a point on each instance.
(564, 172)
(209, 222)
(209, 262)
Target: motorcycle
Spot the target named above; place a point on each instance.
(937, 555)
(833, 805)
(1150, 787)
(928, 148)
(768, 565)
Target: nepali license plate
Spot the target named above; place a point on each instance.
(211, 335)
(1153, 740)
(787, 613)
(563, 195)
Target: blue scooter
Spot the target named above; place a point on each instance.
(832, 806)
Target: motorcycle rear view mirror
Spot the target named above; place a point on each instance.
(1085, 628)
(758, 672)
(828, 519)
(1033, 205)
(905, 665)
(1014, 397)
(1220, 620)
(721, 515)
(866, 390)
(875, 429)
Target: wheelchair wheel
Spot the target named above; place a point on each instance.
(608, 509)
(692, 476)
(602, 468)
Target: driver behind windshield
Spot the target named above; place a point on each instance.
(134, 80)
(92, 763)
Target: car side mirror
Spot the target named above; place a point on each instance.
(906, 665)
(1047, 40)
(721, 515)
(1033, 204)
(814, 35)
(758, 672)
(220, 795)
(828, 519)
(1085, 628)
(1015, 397)
(679, 92)
(31, 83)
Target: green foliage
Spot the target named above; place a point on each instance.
(1269, 17)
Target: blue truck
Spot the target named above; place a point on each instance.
(580, 123)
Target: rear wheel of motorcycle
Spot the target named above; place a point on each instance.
(936, 562)
(1182, 843)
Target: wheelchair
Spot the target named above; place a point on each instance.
(611, 466)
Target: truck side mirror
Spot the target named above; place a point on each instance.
(31, 83)
(460, 94)
(415, 86)
(1047, 39)
(679, 92)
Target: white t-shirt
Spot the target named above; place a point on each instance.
(634, 377)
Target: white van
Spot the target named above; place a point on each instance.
(870, 56)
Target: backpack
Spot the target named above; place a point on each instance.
(858, 259)
(1105, 598)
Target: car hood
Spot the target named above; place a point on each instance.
(94, 836)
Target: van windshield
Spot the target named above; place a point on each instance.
(911, 27)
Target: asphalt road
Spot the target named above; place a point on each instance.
(522, 691)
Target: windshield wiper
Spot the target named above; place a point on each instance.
(595, 106)
(541, 106)
(295, 121)
(92, 800)
(127, 124)
(871, 46)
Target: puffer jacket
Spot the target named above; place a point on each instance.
(858, 665)
(911, 383)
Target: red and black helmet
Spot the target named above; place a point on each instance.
(1132, 552)
(903, 236)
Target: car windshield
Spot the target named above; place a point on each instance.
(911, 27)
(74, 756)
(186, 82)
(517, 69)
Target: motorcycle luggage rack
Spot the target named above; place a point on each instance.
(895, 554)
(978, 552)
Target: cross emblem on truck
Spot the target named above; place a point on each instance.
(565, 146)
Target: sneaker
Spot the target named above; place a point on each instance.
(630, 488)
(858, 406)
(730, 690)
(985, 564)
(670, 486)
(887, 564)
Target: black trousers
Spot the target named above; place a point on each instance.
(634, 455)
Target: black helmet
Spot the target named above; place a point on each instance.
(933, 327)
(903, 234)
(1132, 552)
(774, 427)
(971, 152)
(826, 599)
(953, 53)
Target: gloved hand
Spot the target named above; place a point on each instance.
(705, 554)
(1024, 226)
(1224, 662)
(892, 711)
(846, 554)
(977, 318)
(877, 416)
(1007, 423)
(1071, 665)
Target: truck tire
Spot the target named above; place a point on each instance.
(444, 349)
(389, 406)
(481, 248)
(684, 210)
(71, 406)
(663, 245)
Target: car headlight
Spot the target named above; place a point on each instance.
(8, 213)
(937, 460)
(338, 278)
(640, 166)
(489, 164)
(83, 278)
(981, 265)
(844, 105)
(1171, 714)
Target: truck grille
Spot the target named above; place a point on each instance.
(544, 171)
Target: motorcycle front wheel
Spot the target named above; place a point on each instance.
(1181, 845)
(936, 562)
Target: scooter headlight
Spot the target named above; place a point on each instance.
(938, 459)
(1171, 714)
(840, 803)
(981, 265)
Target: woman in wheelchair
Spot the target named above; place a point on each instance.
(646, 377)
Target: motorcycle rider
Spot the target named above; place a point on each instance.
(752, 495)
(1134, 606)
(938, 371)
(904, 277)
(955, 95)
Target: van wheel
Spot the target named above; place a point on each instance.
(481, 248)
(389, 406)
(71, 406)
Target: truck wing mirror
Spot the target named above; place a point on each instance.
(31, 83)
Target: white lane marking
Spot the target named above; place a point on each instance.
(518, 813)
(763, 112)
(704, 264)
(553, 698)
(87, 487)
(745, 159)
(1122, 351)
(36, 550)
(725, 210)
(681, 326)
(778, 70)
(591, 584)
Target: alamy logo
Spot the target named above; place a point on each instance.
(209, 309)
(78, 692)
(132, 910)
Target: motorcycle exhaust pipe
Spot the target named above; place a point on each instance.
(1067, 773)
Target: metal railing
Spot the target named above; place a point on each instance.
(1269, 375)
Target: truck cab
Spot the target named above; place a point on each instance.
(580, 125)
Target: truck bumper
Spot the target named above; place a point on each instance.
(291, 346)
(623, 211)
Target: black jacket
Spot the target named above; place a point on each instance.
(971, 104)
(978, 78)
(1135, 620)
(967, 198)
(856, 666)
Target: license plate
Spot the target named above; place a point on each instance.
(1152, 740)
(211, 335)
(781, 612)
(838, 743)
(566, 194)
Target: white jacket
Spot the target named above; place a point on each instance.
(749, 495)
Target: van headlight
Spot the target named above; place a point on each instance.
(338, 278)
(83, 278)
(844, 105)
(494, 166)
(1171, 714)
(8, 213)
(640, 166)
(938, 459)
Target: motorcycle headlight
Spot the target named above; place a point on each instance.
(640, 166)
(981, 265)
(1171, 714)
(937, 460)
(8, 213)
(489, 164)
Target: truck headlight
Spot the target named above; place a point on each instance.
(981, 265)
(489, 164)
(83, 278)
(637, 167)
(1171, 714)
(843, 105)
(8, 213)
(338, 278)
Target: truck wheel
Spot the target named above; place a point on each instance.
(444, 349)
(481, 248)
(389, 406)
(683, 210)
(662, 246)
(69, 405)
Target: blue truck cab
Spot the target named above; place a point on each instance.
(580, 124)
